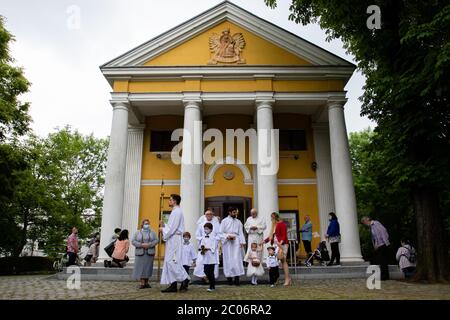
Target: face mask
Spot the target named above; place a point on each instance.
(207, 231)
(146, 226)
(330, 218)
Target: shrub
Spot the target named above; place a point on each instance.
(23, 265)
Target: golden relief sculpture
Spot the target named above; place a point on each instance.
(226, 48)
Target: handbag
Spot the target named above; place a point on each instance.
(281, 255)
(109, 249)
(256, 263)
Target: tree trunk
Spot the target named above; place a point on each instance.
(432, 255)
(23, 238)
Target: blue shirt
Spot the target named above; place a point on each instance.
(333, 228)
(307, 231)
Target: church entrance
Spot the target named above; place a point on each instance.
(220, 206)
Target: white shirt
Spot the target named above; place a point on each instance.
(402, 256)
(202, 220)
(272, 261)
(232, 226)
(92, 250)
(188, 254)
(200, 232)
(210, 255)
(255, 222)
(175, 225)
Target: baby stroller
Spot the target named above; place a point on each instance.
(321, 254)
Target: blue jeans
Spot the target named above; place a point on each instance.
(409, 272)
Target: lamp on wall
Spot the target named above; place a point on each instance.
(314, 166)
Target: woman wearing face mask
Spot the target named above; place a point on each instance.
(145, 241)
(334, 237)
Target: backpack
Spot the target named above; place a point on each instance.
(412, 257)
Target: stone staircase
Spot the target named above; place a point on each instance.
(99, 273)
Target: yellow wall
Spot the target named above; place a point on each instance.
(228, 85)
(291, 197)
(152, 167)
(223, 187)
(289, 167)
(304, 199)
(196, 51)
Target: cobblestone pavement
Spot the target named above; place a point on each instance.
(38, 287)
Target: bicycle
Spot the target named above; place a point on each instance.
(60, 262)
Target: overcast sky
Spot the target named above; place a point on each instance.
(61, 59)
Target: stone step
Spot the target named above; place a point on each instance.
(96, 273)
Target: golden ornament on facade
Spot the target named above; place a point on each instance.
(226, 48)
(228, 175)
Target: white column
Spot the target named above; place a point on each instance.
(130, 219)
(254, 158)
(344, 192)
(190, 188)
(325, 193)
(266, 178)
(115, 175)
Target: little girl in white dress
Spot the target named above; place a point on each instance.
(253, 257)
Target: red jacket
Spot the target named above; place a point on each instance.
(280, 233)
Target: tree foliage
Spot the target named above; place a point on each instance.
(60, 187)
(406, 64)
(377, 195)
(14, 118)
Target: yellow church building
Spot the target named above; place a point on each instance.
(230, 69)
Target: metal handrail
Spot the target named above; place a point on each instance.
(293, 253)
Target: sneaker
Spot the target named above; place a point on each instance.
(210, 290)
(272, 286)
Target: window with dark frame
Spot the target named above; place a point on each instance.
(292, 140)
(160, 141)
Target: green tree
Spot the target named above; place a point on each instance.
(406, 64)
(75, 170)
(377, 195)
(14, 118)
(14, 121)
(61, 187)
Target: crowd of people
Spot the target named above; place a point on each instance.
(227, 237)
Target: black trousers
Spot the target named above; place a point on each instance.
(335, 254)
(186, 268)
(382, 255)
(307, 245)
(208, 269)
(274, 274)
(72, 258)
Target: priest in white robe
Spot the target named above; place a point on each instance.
(233, 241)
(172, 233)
(255, 226)
(200, 233)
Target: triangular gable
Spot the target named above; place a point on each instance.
(291, 47)
(256, 51)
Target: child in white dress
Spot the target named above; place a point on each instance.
(253, 257)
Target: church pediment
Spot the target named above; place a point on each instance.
(227, 35)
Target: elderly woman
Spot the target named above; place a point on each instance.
(145, 241)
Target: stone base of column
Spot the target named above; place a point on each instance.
(351, 261)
